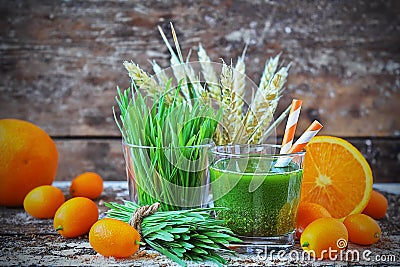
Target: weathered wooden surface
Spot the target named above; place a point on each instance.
(60, 62)
(102, 156)
(28, 241)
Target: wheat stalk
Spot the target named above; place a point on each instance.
(271, 127)
(226, 89)
(266, 99)
(283, 73)
(265, 91)
(240, 82)
(142, 79)
(269, 70)
(177, 63)
(195, 81)
(264, 120)
(163, 80)
(271, 95)
(231, 120)
(160, 74)
(209, 74)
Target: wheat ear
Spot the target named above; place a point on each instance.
(231, 120)
(209, 74)
(271, 96)
(142, 79)
(240, 82)
(269, 70)
(261, 98)
(264, 121)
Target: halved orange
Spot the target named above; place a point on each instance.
(336, 176)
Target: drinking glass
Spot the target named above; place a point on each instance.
(260, 199)
(176, 177)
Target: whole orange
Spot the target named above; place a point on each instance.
(324, 238)
(377, 205)
(111, 237)
(308, 212)
(28, 159)
(75, 217)
(363, 230)
(88, 184)
(42, 202)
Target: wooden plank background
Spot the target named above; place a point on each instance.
(60, 62)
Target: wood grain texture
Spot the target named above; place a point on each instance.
(103, 156)
(60, 62)
(26, 241)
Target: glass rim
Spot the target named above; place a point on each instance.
(213, 150)
(124, 143)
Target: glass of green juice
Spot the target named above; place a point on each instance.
(260, 198)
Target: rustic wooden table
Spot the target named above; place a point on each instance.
(28, 241)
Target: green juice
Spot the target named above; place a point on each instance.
(261, 203)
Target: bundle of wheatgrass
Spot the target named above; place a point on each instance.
(166, 147)
(181, 235)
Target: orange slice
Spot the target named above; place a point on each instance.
(336, 176)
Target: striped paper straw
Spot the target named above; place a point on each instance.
(291, 125)
(306, 137)
(301, 143)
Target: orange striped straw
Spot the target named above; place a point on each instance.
(300, 144)
(291, 125)
(306, 137)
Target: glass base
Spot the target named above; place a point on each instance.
(257, 245)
